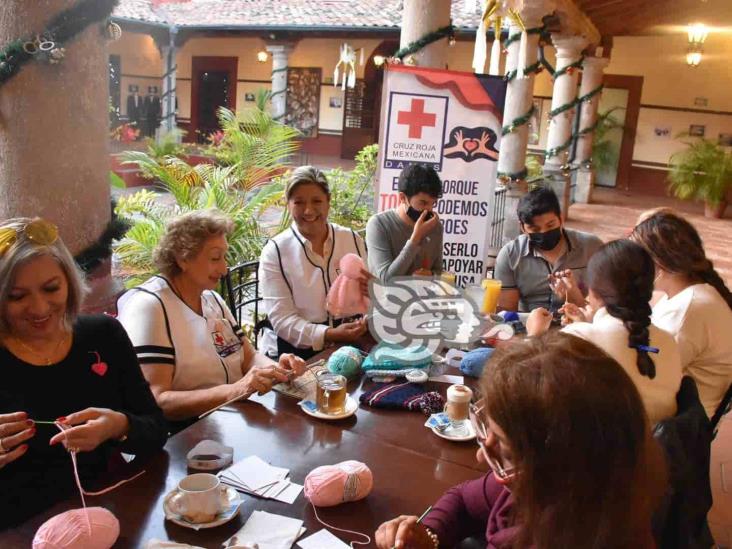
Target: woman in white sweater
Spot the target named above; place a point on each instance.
(697, 306)
(618, 321)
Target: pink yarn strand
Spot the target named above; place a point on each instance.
(83, 492)
(321, 521)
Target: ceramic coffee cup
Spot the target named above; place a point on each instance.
(200, 497)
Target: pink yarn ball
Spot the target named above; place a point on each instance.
(334, 484)
(351, 265)
(70, 530)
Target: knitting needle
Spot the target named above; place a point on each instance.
(419, 520)
(44, 422)
(212, 410)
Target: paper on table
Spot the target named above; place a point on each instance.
(255, 473)
(448, 379)
(268, 531)
(155, 543)
(289, 493)
(322, 540)
(302, 387)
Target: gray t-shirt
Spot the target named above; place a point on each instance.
(391, 253)
(519, 265)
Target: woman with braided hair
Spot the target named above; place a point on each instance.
(697, 307)
(617, 319)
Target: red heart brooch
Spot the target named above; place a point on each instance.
(99, 367)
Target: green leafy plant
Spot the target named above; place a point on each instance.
(702, 171)
(255, 150)
(168, 144)
(604, 150)
(253, 142)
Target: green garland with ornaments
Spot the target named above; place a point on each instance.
(447, 31)
(48, 45)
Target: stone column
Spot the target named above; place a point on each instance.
(569, 50)
(54, 119)
(280, 60)
(420, 17)
(169, 54)
(592, 75)
(519, 100)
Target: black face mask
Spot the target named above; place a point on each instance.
(546, 241)
(414, 213)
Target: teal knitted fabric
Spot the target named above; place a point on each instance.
(387, 356)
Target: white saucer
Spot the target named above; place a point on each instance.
(456, 435)
(351, 407)
(233, 497)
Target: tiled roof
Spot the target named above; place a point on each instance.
(279, 13)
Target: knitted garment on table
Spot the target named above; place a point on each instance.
(404, 396)
(386, 356)
(345, 298)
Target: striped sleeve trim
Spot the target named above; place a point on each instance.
(154, 354)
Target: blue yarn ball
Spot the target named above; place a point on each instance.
(345, 361)
(473, 362)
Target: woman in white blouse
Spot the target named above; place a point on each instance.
(697, 306)
(191, 351)
(618, 321)
(298, 267)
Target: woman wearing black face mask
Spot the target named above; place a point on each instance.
(544, 266)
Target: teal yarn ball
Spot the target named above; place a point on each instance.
(345, 361)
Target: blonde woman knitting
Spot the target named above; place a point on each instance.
(57, 365)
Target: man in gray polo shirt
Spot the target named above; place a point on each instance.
(545, 266)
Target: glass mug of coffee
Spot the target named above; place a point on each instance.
(200, 497)
(330, 393)
(458, 405)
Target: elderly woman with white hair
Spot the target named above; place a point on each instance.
(190, 349)
(57, 366)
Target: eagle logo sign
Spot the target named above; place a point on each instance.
(426, 313)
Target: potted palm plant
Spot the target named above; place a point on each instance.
(702, 171)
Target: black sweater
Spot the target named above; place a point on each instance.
(44, 474)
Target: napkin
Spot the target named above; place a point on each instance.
(268, 531)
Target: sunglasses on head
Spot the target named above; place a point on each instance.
(503, 473)
(39, 231)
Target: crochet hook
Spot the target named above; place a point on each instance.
(419, 520)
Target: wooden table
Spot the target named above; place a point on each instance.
(411, 466)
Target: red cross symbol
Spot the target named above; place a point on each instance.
(416, 119)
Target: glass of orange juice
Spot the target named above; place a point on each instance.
(491, 292)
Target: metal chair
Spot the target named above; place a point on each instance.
(240, 288)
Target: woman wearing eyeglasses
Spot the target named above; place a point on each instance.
(573, 462)
(58, 366)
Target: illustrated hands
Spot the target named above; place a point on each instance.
(89, 428)
(15, 429)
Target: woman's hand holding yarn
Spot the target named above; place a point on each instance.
(91, 427)
(363, 282)
(259, 379)
(572, 313)
(347, 332)
(293, 364)
(404, 532)
(538, 322)
(15, 429)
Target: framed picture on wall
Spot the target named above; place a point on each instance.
(663, 132)
(335, 102)
(249, 97)
(697, 130)
(535, 122)
(725, 139)
(303, 99)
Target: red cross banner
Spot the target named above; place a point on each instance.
(451, 121)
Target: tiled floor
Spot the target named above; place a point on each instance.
(610, 216)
